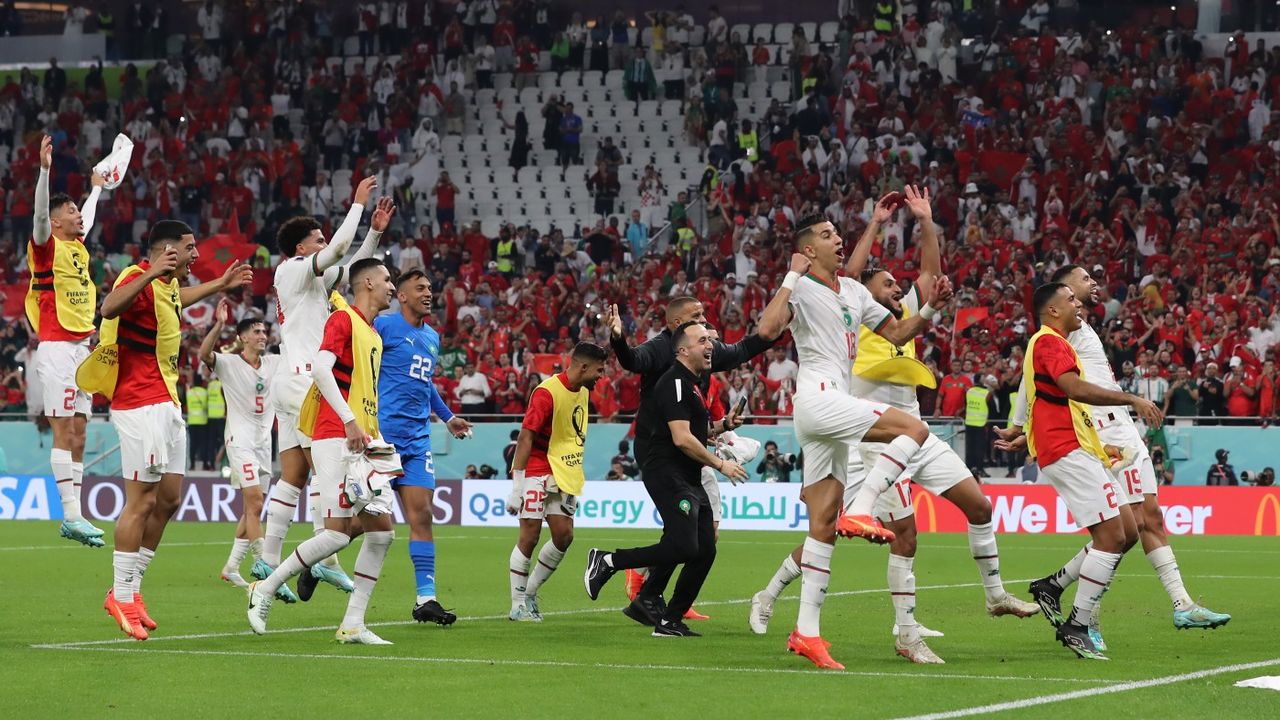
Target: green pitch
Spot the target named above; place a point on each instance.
(587, 660)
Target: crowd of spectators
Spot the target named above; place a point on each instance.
(1129, 150)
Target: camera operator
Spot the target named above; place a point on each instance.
(776, 466)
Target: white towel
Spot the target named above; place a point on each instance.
(738, 448)
(369, 476)
(113, 166)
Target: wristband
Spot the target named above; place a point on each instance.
(928, 311)
(518, 477)
(789, 282)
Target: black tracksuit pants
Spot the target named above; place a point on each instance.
(688, 538)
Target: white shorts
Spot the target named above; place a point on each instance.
(712, 487)
(250, 467)
(327, 484)
(828, 422)
(542, 497)
(56, 362)
(153, 441)
(936, 468)
(1084, 484)
(288, 434)
(1138, 479)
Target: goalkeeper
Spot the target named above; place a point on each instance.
(340, 415)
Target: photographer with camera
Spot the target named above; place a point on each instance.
(776, 466)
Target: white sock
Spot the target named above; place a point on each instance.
(313, 507)
(1095, 575)
(145, 556)
(982, 544)
(549, 558)
(1166, 568)
(304, 556)
(884, 473)
(518, 570)
(60, 461)
(373, 553)
(815, 574)
(239, 548)
(125, 565)
(1070, 572)
(77, 479)
(902, 590)
(281, 507)
(255, 549)
(787, 572)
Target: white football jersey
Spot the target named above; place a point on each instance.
(247, 391)
(824, 324)
(302, 310)
(903, 397)
(1093, 360)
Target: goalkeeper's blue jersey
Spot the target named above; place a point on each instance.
(406, 394)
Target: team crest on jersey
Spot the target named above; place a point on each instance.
(848, 319)
(685, 506)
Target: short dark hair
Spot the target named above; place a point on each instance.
(246, 324)
(589, 352)
(362, 266)
(167, 231)
(677, 337)
(678, 304)
(869, 274)
(1061, 273)
(408, 275)
(805, 224)
(294, 231)
(57, 200)
(1044, 295)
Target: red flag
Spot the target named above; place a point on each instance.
(220, 252)
(15, 299)
(1000, 167)
(966, 317)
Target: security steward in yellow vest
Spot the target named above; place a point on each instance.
(198, 423)
(748, 142)
(977, 408)
(217, 422)
(885, 14)
(506, 254)
(547, 474)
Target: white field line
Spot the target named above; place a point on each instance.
(588, 666)
(1092, 692)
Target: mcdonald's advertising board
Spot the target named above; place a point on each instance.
(754, 506)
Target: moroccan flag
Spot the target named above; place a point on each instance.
(219, 252)
(967, 317)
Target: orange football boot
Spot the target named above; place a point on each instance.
(692, 614)
(143, 615)
(812, 648)
(125, 615)
(634, 582)
(863, 526)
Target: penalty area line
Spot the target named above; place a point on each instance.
(565, 664)
(1092, 692)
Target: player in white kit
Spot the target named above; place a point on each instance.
(246, 383)
(937, 468)
(823, 312)
(304, 282)
(1135, 480)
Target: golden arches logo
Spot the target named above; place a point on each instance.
(1270, 500)
(918, 500)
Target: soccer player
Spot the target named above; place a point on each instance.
(60, 304)
(341, 417)
(938, 469)
(303, 285)
(673, 419)
(246, 383)
(547, 473)
(1061, 437)
(1135, 483)
(650, 360)
(410, 352)
(823, 311)
(136, 366)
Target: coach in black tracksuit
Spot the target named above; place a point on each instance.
(674, 424)
(650, 360)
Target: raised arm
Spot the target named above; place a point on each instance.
(727, 357)
(377, 225)
(89, 211)
(857, 261)
(220, 316)
(41, 229)
(333, 253)
(921, 207)
(641, 359)
(900, 332)
(236, 275)
(777, 314)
